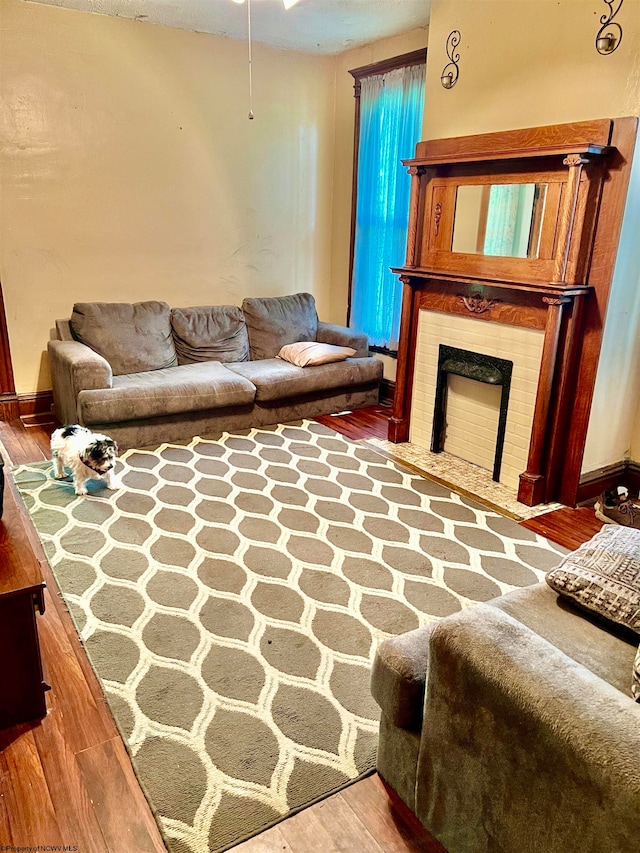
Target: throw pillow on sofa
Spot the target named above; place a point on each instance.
(132, 337)
(210, 333)
(275, 321)
(310, 353)
(603, 575)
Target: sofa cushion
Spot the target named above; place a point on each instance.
(132, 337)
(276, 379)
(209, 333)
(275, 321)
(310, 353)
(153, 393)
(603, 575)
(605, 650)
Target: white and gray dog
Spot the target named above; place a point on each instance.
(88, 455)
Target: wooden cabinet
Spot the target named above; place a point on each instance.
(22, 685)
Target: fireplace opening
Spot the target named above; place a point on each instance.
(481, 368)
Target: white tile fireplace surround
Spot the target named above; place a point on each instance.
(473, 407)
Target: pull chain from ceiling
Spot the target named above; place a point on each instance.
(250, 69)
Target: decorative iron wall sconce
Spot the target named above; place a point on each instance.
(451, 71)
(609, 35)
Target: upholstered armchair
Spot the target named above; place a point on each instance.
(510, 727)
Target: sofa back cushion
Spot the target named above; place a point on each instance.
(210, 333)
(63, 330)
(131, 336)
(273, 322)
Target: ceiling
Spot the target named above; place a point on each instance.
(315, 26)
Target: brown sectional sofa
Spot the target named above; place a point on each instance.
(145, 373)
(510, 727)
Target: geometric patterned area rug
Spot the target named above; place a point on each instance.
(231, 597)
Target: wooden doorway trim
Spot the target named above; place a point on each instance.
(9, 410)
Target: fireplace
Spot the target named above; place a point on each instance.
(569, 182)
(479, 368)
(473, 424)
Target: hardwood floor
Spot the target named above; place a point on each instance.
(68, 780)
(363, 423)
(566, 526)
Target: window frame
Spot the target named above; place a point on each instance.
(405, 60)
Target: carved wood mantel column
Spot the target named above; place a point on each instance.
(416, 173)
(399, 421)
(532, 482)
(567, 216)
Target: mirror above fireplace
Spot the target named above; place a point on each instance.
(523, 220)
(499, 219)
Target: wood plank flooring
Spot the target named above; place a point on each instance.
(68, 780)
(566, 526)
(363, 818)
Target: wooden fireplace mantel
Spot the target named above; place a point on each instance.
(562, 290)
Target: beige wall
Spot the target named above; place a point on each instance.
(130, 171)
(529, 62)
(614, 414)
(533, 62)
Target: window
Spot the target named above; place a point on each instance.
(389, 108)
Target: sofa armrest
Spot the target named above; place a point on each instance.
(519, 741)
(74, 368)
(398, 677)
(341, 336)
